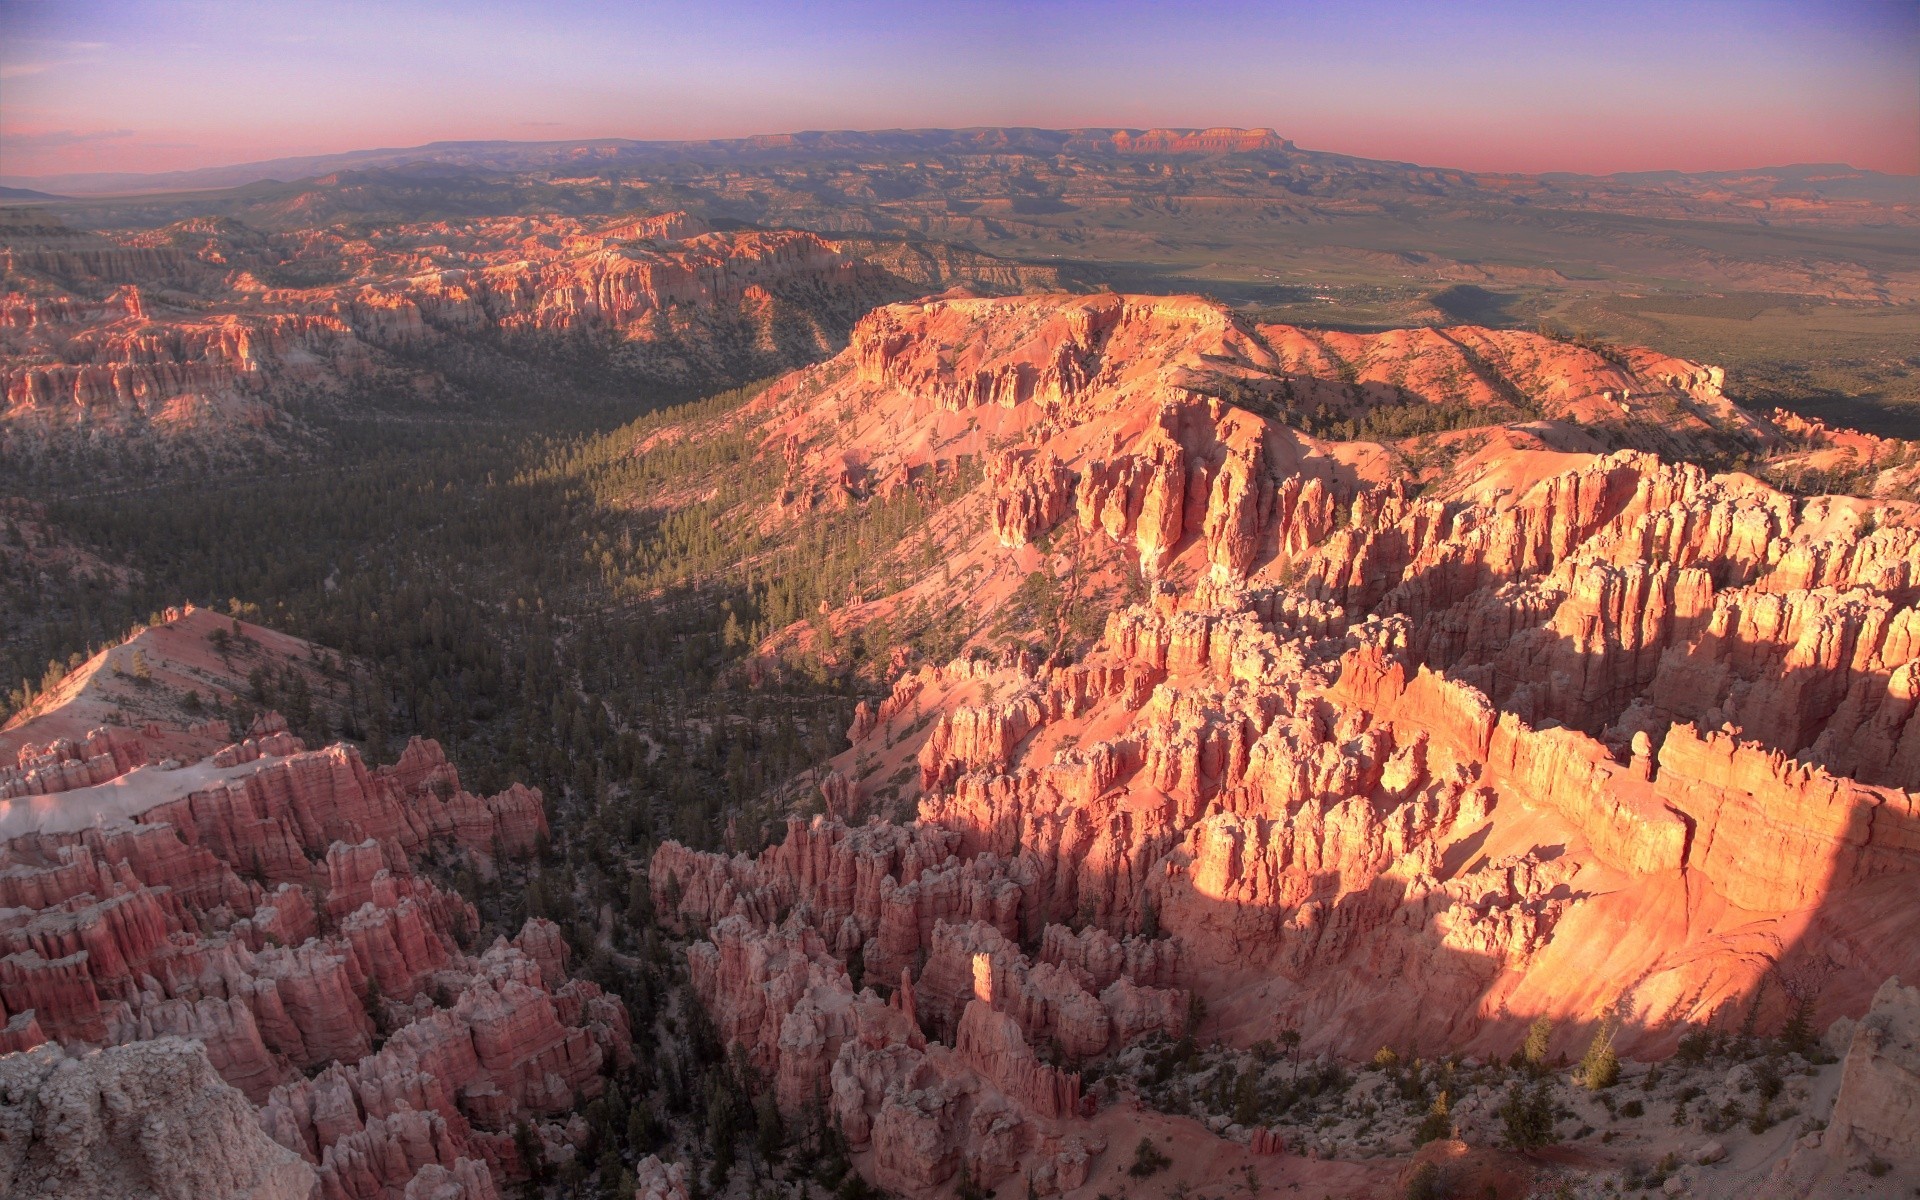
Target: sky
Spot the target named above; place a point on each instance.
(1544, 85)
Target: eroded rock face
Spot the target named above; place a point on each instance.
(149, 1121)
(660, 1181)
(178, 333)
(1383, 755)
(987, 1098)
(265, 903)
(106, 753)
(1878, 1107)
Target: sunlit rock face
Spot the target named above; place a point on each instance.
(206, 332)
(1410, 741)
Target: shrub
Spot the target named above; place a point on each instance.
(1148, 1160)
(1438, 1122)
(1426, 1183)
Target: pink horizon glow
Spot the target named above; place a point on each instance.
(1635, 86)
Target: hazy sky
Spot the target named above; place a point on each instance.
(1603, 85)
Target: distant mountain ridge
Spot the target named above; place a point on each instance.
(600, 153)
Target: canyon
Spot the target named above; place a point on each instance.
(214, 334)
(1265, 743)
(526, 273)
(1525, 707)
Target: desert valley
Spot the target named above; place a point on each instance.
(1104, 663)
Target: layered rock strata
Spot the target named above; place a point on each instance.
(941, 939)
(206, 328)
(1567, 729)
(265, 903)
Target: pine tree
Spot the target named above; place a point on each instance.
(643, 1131)
(1290, 1038)
(1539, 1036)
(533, 1154)
(770, 1132)
(1246, 1097)
(1438, 1122)
(1797, 1034)
(1600, 1068)
(1527, 1114)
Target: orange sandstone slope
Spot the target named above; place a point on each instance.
(159, 879)
(1408, 742)
(173, 680)
(208, 329)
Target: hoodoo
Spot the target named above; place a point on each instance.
(188, 937)
(1564, 730)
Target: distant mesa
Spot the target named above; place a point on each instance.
(1836, 180)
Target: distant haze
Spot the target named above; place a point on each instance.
(1623, 85)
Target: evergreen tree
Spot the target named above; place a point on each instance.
(1527, 1115)
(1600, 1067)
(1438, 1122)
(533, 1153)
(1539, 1036)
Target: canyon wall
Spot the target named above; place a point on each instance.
(1387, 754)
(208, 329)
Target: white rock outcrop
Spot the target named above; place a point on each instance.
(148, 1121)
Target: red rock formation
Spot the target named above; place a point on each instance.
(185, 910)
(1551, 731)
(1030, 497)
(196, 345)
(1267, 1141)
(106, 753)
(783, 992)
(1218, 140)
